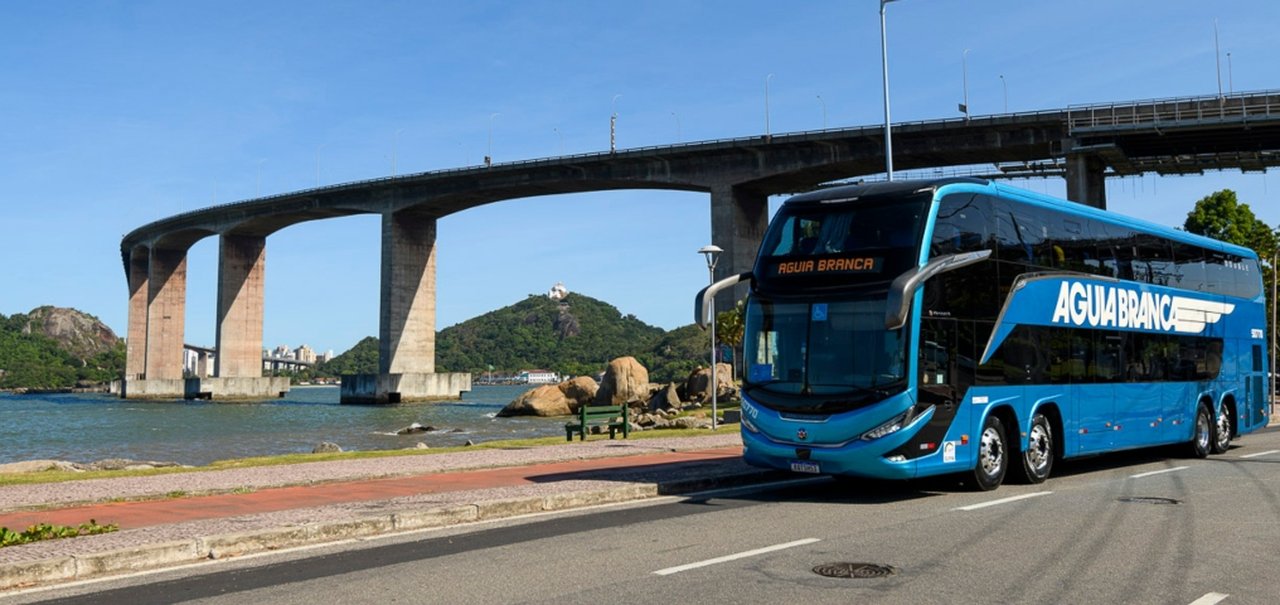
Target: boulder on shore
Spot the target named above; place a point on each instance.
(579, 391)
(696, 386)
(546, 400)
(327, 447)
(667, 397)
(625, 381)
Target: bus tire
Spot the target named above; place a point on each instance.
(1201, 433)
(993, 455)
(1037, 458)
(1222, 431)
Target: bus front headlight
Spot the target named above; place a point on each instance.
(894, 425)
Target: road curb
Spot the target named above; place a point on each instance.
(29, 574)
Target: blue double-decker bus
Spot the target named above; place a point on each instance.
(907, 329)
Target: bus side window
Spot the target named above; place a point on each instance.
(1189, 270)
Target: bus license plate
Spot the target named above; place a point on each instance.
(805, 467)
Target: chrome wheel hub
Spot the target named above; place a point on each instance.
(1039, 447)
(991, 452)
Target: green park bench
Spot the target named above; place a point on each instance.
(613, 416)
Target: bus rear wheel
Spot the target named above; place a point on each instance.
(1202, 435)
(993, 456)
(1222, 431)
(1037, 458)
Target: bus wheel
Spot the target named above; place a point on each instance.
(1037, 460)
(993, 455)
(1222, 431)
(1202, 438)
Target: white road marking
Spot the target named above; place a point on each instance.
(1001, 501)
(1159, 472)
(742, 555)
(1261, 454)
(1210, 599)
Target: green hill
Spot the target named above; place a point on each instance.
(46, 349)
(575, 336)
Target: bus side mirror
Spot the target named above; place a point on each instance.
(904, 287)
(702, 302)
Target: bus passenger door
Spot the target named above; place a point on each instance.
(1255, 388)
(1139, 395)
(1094, 395)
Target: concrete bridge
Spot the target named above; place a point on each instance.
(1083, 143)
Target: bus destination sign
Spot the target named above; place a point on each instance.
(828, 266)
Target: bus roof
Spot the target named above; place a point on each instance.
(853, 192)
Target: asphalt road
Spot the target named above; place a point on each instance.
(1140, 527)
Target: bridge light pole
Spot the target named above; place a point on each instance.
(677, 119)
(824, 112)
(613, 123)
(964, 74)
(766, 105)
(395, 144)
(884, 68)
(258, 191)
(488, 158)
(1005, 87)
(318, 163)
(712, 252)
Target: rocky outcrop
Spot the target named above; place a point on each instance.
(625, 381)
(546, 400)
(667, 397)
(327, 447)
(696, 386)
(80, 334)
(415, 428)
(579, 391)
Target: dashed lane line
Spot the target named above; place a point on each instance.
(1266, 453)
(1210, 599)
(742, 555)
(1159, 472)
(1001, 501)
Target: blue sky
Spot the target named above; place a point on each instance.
(116, 114)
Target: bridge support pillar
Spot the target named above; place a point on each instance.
(739, 217)
(166, 286)
(1086, 180)
(135, 359)
(407, 323)
(242, 264)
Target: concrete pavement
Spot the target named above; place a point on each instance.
(166, 531)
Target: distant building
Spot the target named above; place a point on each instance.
(538, 377)
(558, 291)
(305, 353)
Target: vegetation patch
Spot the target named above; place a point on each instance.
(45, 531)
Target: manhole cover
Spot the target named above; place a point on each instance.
(854, 570)
(1149, 500)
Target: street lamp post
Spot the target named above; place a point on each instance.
(964, 74)
(258, 191)
(824, 112)
(1005, 87)
(677, 118)
(560, 149)
(766, 104)
(395, 144)
(318, 163)
(884, 68)
(488, 158)
(1271, 380)
(613, 124)
(712, 252)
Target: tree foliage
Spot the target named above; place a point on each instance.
(1220, 215)
(33, 361)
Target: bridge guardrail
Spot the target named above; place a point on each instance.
(1174, 110)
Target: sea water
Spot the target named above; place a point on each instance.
(85, 428)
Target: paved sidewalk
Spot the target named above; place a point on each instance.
(267, 508)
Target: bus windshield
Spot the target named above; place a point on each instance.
(834, 355)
